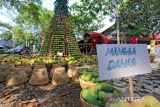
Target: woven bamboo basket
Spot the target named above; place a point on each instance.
(85, 84)
(84, 103)
(84, 72)
(37, 66)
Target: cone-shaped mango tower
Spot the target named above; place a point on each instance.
(61, 37)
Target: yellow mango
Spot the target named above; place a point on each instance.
(149, 100)
(138, 104)
(125, 104)
(157, 105)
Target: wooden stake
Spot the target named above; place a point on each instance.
(131, 87)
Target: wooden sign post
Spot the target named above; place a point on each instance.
(131, 87)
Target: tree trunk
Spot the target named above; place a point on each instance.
(117, 24)
(26, 42)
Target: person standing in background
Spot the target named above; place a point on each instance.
(132, 40)
(96, 38)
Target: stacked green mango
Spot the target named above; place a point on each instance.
(91, 77)
(86, 70)
(102, 95)
(61, 38)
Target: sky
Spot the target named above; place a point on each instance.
(5, 17)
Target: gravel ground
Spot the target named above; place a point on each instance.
(25, 95)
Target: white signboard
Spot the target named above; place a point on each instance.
(122, 60)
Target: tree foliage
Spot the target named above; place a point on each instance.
(25, 8)
(113, 8)
(144, 15)
(41, 24)
(20, 36)
(88, 15)
(30, 18)
(5, 25)
(6, 36)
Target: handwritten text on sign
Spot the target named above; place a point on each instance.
(121, 63)
(122, 60)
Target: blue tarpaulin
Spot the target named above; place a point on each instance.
(7, 43)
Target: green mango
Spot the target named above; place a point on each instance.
(107, 87)
(115, 105)
(98, 87)
(97, 80)
(93, 69)
(93, 92)
(83, 77)
(100, 103)
(102, 95)
(85, 93)
(84, 69)
(91, 100)
(116, 93)
(95, 75)
(107, 104)
(88, 77)
(93, 79)
(87, 70)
